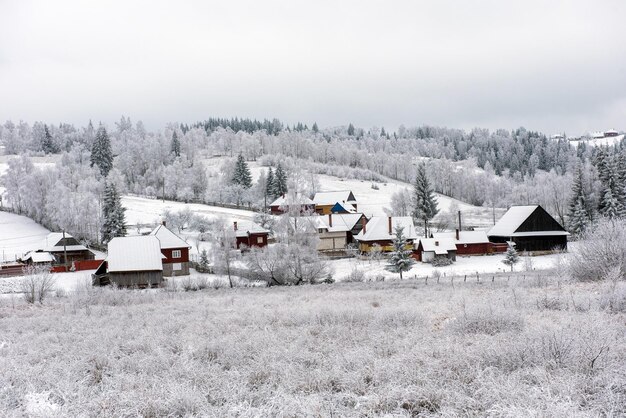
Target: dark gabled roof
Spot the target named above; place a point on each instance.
(530, 220)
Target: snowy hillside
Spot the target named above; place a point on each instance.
(605, 142)
(19, 235)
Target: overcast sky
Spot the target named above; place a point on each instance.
(552, 66)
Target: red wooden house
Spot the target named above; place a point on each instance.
(250, 234)
(175, 250)
(467, 242)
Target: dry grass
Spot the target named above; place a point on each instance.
(353, 349)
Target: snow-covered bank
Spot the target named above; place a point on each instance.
(18, 235)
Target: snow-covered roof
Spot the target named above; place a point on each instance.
(511, 220)
(38, 257)
(465, 237)
(138, 253)
(377, 229)
(342, 222)
(438, 245)
(53, 239)
(245, 227)
(286, 199)
(168, 239)
(330, 198)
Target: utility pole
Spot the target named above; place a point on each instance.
(64, 251)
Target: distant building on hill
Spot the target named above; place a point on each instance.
(610, 133)
(529, 228)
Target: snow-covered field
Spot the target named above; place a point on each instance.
(604, 142)
(18, 235)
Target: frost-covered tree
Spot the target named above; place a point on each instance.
(611, 206)
(579, 219)
(114, 223)
(175, 145)
(270, 186)
(400, 259)
(578, 215)
(401, 203)
(511, 257)
(48, 146)
(101, 153)
(241, 175)
(351, 129)
(424, 201)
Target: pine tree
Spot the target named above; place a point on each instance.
(315, 128)
(204, 261)
(578, 203)
(101, 154)
(175, 147)
(611, 207)
(242, 174)
(114, 224)
(579, 219)
(351, 129)
(270, 184)
(280, 181)
(400, 259)
(511, 257)
(424, 201)
(48, 146)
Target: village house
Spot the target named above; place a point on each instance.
(337, 202)
(336, 231)
(380, 230)
(430, 249)
(284, 202)
(175, 250)
(467, 242)
(529, 228)
(58, 245)
(131, 262)
(249, 234)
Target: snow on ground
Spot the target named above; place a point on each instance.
(141, 210)
(606, 141)
(18, 235)
(464, 265)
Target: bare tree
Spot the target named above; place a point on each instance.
(37, 284)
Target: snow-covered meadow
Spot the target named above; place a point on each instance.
(515, 347)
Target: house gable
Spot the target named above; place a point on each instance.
(539, 220)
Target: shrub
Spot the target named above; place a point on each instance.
(601, 252)
(442, 261)
(356, 275)
(488, 322)
(37, 284)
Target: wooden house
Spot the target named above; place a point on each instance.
(59, 244)
(380, 230)
(249, 234)
(325, 202)
(335, 231)
(529, 228)
(38, 258)
(132, 262)
(175, 250)
(467, 242)
(284, 202)
(429, 249)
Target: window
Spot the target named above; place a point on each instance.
(176, 254)
(259, 240)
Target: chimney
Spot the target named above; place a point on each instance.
(163, 223)
(389, 220)
(436, 243)
(235, 225)
(330, 220)
(460, 229)
(457, 235)
(364, 223)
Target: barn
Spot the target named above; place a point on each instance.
(530, 228)
(467, 242)
(430, 249)
(380, 230)
(131, 262)
(326, 201)
(249, 234)
(175, 250)
(335, 231)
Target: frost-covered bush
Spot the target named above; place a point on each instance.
(488, 322)
(601, 250)
(355, 275)
(36, 285)
(442, 261)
